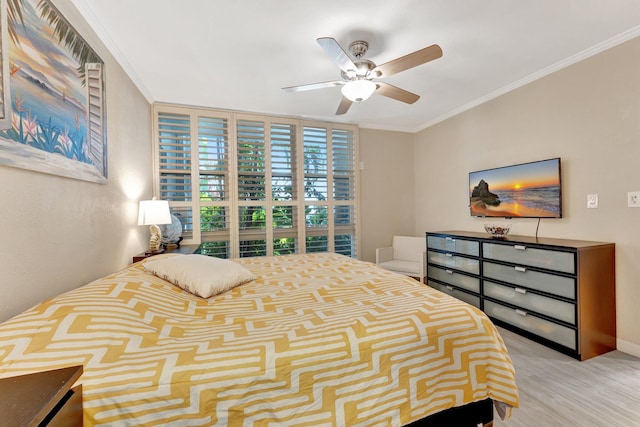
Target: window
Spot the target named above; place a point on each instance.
(250, 185)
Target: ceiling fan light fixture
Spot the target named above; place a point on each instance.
(358, 90)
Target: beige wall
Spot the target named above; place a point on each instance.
(387, 204)
(59, 233)
(587, 114)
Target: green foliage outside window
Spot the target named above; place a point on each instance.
(252, 188)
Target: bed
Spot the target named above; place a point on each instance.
(312, 340)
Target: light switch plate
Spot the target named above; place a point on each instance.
(633, 199)
(592, 201)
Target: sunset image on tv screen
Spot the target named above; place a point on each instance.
(529, 190)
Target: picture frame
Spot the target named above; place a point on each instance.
(52, 94)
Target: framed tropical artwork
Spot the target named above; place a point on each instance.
(52, 112)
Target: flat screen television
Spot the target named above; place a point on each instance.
(527, 190)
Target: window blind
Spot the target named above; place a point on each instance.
(253, 185)
(284, 187)
(214, 185)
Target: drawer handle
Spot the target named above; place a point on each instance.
(520, 291)
(449, 271)
(451, 239)
(521, 312)
(449, 287)
(520, 269)
(520, 247)
(449, 255)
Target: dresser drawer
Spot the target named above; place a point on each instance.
(468, 265)
(557, 309)
(557, 285)
(553, 332)
(456, 293)
(451, 277)
(452, 244)
(534, 257)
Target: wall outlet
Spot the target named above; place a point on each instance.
(592, 201)
(633, 199)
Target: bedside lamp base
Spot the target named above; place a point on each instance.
(155, 241)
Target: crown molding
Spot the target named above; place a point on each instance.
(587, 53)
(88, 14)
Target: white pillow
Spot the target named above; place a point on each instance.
(201, 275)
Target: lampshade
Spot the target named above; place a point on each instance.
(153, 212)
(358, 90)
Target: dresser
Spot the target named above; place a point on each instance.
(560, 293)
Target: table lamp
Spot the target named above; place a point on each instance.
(152, 213)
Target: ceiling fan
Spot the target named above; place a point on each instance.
(358, 74)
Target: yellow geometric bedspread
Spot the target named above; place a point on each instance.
(316, 340)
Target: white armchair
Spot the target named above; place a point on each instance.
(407, 255)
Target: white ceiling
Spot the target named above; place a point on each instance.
(238, 54)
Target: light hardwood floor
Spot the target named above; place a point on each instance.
(556, 390)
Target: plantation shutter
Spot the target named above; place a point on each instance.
(251, 185)
(214, 186)
(330, 190)
(344, 191)
(174, 163)
(193, 175)
(284, 188)
(252, 188)
(316, 194)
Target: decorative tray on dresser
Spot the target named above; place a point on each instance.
(560, 293)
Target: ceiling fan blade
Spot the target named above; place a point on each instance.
(390, 91)
(313, 86)
(411, 60)
(345, 103)
(337, 53)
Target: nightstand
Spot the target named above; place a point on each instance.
(183, 249)
(43, 398)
